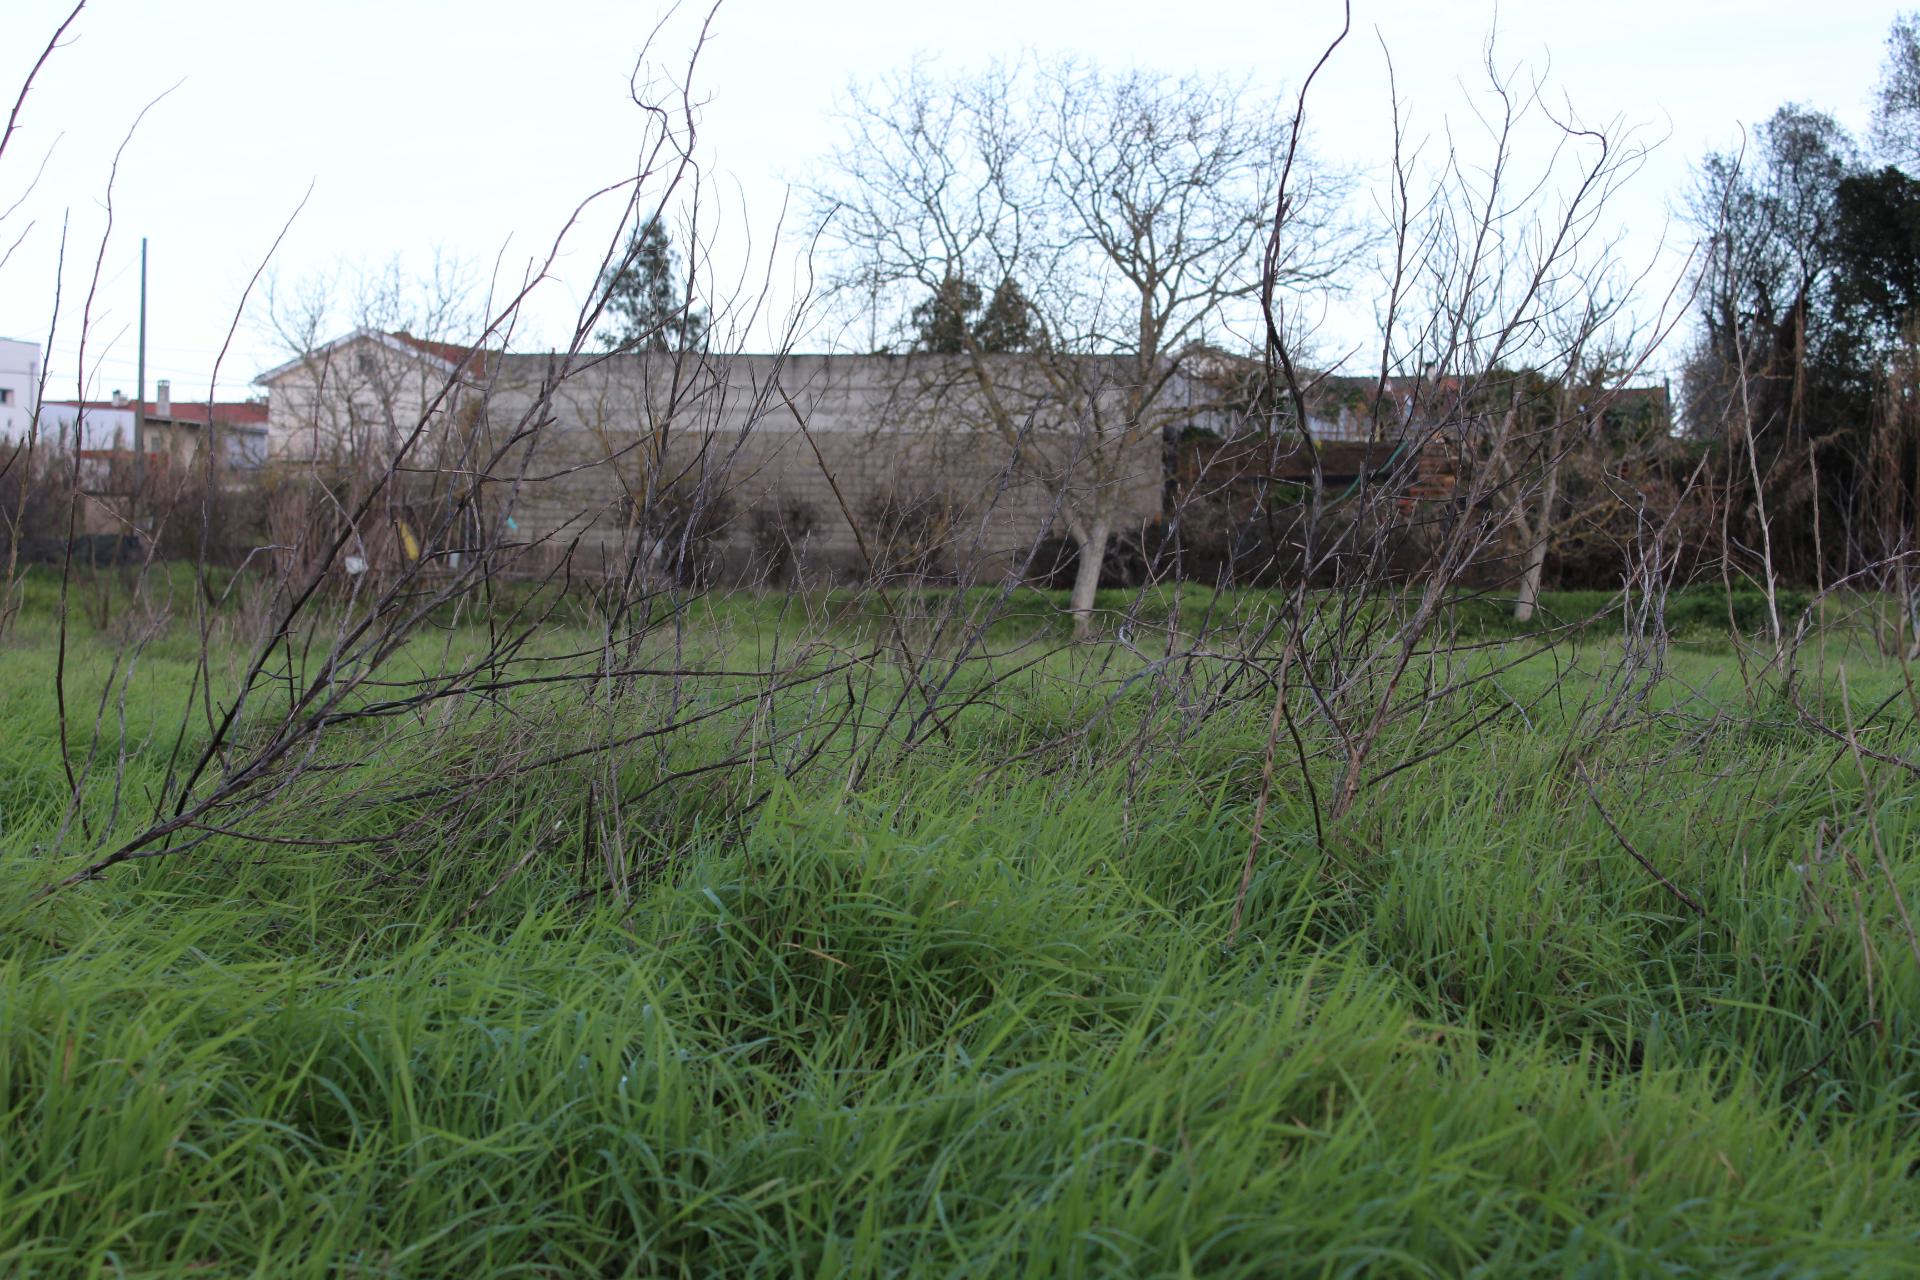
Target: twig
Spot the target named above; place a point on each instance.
(1672, 888)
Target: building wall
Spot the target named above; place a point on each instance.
(357, 401)
(98, 428)
(19, 386)
(66, 426)
(896, 448)
(905, 447)
(104, 435)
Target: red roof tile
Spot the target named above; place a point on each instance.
(238, 413)
(453, 353)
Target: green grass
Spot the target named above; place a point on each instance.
(977, 1016)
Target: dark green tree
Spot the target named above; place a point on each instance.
(1809, 297)
(1876, 250)
(944, 322)
(647, 297)
(1769, 348)
(1008, 323)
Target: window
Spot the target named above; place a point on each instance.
(6, 395)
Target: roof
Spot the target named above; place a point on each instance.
(448, 357)
(232, 413)
(452, 353)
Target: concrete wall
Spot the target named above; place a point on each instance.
(621, 440)
(19, 385)
(897, 447)
(65, 425)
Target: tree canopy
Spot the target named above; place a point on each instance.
(1896, 106)
(648, 297)
(952, 318)
(1120, 216)
(1809, 307)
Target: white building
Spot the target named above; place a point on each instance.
(19, 386)
(95, 425)
(104, 429)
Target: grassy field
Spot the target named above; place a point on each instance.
(978, 1014)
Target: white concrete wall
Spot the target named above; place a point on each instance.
(61, 425)
(19, 385)
(887, 428)
(354, 401)
(572, 459)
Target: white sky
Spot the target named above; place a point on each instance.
(473, 127)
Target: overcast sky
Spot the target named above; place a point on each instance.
(473, 128)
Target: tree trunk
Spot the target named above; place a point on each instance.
(1529, 594)
(1536, 561)
(1535, 565)
(1086, 579)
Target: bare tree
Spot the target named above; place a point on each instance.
(1574, 413)
(1494, 268)
(1125, 210)
(25, 468)
(1896, 106)
(1769, 372)
(447, 435)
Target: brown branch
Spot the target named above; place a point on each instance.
(1680, 894)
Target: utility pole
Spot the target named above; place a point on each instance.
(140, 402)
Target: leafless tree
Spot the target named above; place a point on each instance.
(1119, 238)
(453, 441)
(26, 467)
(1763, 279)
(1495, 268)
(1896, 107)
(1576, 411)
(1122, 212)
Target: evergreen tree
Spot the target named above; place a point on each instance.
(1008, 324)
(647, 303)
(1896, 107)
(1876, 250)
(943, 323)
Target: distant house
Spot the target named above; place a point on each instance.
(352, 397)
(1367, 408)
(19, 386)
(102, 432)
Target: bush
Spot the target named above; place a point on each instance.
(1691, 612)
(32, 510)
(1703, 610)
(1129, 561)
(682, 525)
(910, 533)
(223, 522)
(780, 528)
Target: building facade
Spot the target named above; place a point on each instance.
(103, 431)
(836, 465)
(19, 387)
